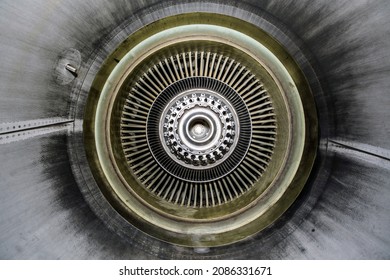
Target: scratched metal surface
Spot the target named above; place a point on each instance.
(342, 214)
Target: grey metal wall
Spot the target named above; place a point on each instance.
(42, 212)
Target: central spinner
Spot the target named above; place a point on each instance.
(199, 128)
(205, 128)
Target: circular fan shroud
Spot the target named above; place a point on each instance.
(213, 219)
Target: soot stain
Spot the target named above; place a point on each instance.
(82, 221)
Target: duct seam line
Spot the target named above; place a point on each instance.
(361, 148)
(17, 131)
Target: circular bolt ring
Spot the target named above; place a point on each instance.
(216, 99)
(200, 105)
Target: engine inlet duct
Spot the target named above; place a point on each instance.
(194, 129)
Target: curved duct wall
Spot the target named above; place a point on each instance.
(343, 211)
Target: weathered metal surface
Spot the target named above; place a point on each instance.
(343, 214)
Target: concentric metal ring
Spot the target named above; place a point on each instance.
(152, 182)
(196, 128)
(188, 162)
